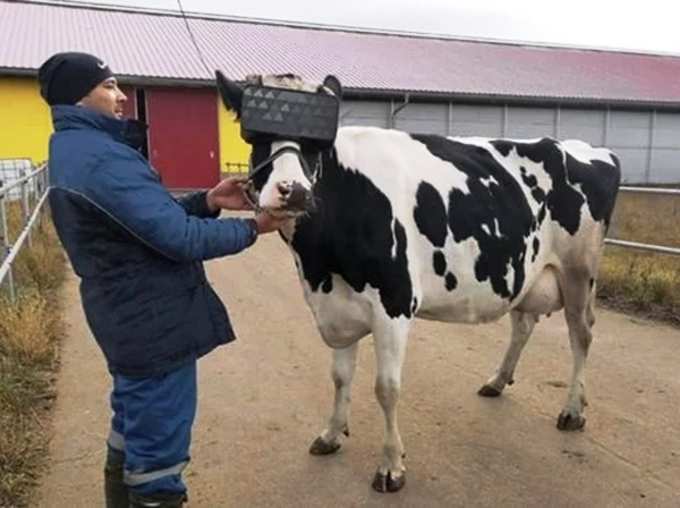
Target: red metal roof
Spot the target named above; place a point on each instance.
(155, 45)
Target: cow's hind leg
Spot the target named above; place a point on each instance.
(390, 348)
(578, 300)
(342, 372)
(522, 326)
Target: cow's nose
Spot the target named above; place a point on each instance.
(300, 198)
(284, 188)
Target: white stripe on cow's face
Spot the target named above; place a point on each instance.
(286, 171)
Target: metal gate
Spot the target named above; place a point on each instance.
(30, 188)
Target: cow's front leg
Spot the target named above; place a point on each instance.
(342, 372)
(390, 347)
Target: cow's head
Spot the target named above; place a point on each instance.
(288, 123)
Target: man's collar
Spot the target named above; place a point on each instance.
(130, 132)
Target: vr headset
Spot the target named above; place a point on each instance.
(280, 113)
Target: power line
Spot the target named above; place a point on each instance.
(193, 39)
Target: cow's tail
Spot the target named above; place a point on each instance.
(611, 181)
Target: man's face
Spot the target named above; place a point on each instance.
(106, 98)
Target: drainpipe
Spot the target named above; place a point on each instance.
(398, 109)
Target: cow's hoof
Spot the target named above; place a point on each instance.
(321, 447)
(489, 391)
(570, 421)
(387, 483)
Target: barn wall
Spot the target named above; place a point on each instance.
(468, 120)
(585, 124)
(665, 159)
(647, 142)
(369, 113)
(234, 152)
(26, 124)
(25, 121)
(423, 118)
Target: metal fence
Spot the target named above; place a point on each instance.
(13, 169)
(235, 167)
(30, 188)
(663, 249)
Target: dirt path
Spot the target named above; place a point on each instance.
(264, 399)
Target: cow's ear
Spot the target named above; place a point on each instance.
(333, 84)
(230, 92)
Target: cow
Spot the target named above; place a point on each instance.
(387, 226)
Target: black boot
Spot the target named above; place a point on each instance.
(157, 500)
(115, 490)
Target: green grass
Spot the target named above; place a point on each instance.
(645, 283)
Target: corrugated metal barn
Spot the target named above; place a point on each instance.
(627, 101)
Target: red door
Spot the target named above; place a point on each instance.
(183, 136)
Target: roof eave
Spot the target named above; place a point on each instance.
(501, 99)
(394, 94)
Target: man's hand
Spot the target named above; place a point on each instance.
(267, 223)
(229, 194)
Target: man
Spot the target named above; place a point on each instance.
(138, 252)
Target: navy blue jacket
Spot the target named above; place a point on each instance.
(137, 250)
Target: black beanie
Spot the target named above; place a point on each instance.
(65, 78)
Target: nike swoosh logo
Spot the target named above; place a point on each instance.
(102, 65)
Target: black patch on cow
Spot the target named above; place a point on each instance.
(532, 182)
(261, 150)
(352, 234)
(598, 180)
(538, 194)
(591, 282)
(439, 262)
(535, 246)
(414, 306)
(541, 214)
(600, 184)
(327, 286)
(529, 180)
(563, 200)
(430, 214)
(502, 201)
(440, 268)
(451, 281)
(504, 147)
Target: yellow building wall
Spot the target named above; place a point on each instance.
(234, 152)
(26, 125)
(25, 121)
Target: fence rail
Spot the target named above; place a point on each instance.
(235, 167)
(651, 190)
(662, 249)
(33, 188)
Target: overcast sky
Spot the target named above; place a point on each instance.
(649, 25)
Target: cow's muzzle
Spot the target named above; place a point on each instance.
(295, 197)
